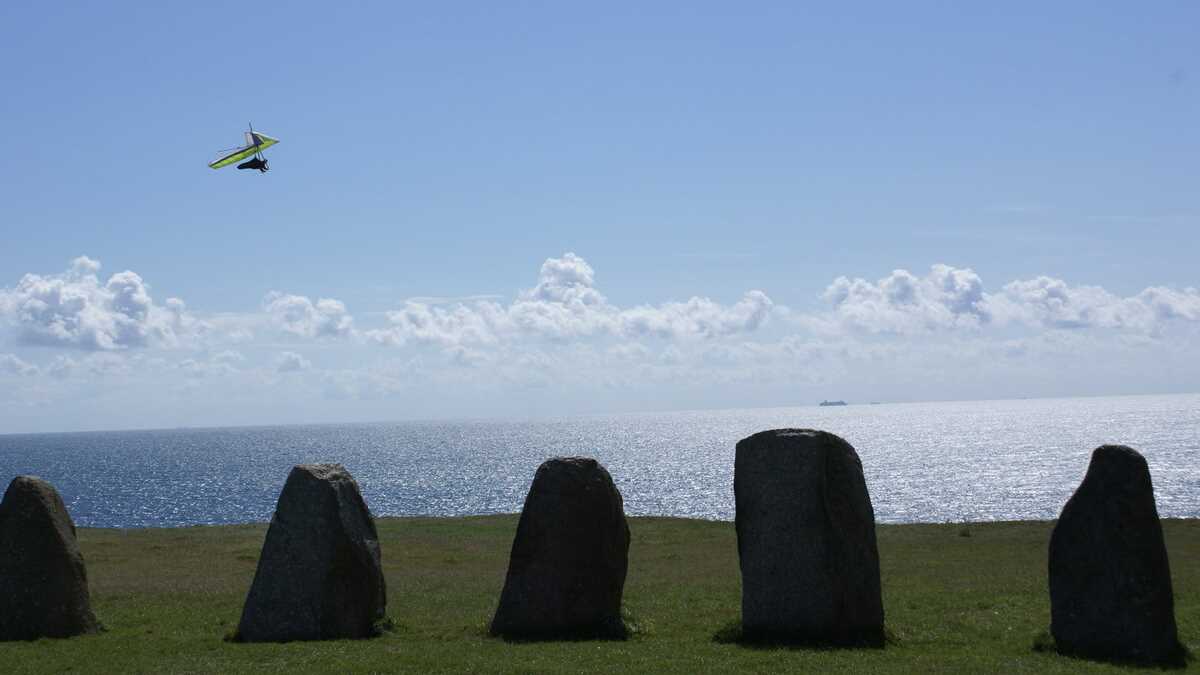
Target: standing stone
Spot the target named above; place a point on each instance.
(569, 557)
(806, 540)
(1110, 583)
(43, 582)
(320, 575)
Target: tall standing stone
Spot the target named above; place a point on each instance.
(43, 581)
(569, 557)
(806, 540)
(1110, 582)
(320, 576)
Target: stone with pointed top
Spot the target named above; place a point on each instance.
(320, 575)
(43, 581)
(1110, 581)
(569, 557)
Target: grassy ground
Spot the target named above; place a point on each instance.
(953, 603)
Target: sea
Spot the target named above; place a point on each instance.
(924, 462)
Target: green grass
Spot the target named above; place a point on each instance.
(954, 603)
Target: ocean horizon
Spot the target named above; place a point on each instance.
(947, 461)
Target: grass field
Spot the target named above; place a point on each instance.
(953, 603)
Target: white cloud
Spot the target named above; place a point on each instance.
(1168, 303)
(697, 318)
(947, 297)
(74, 309)
(186, 327)
(298, 315)
(480, 323)
(290, 362)
(565, 303)
(1052, 303)
(954, 298)
(84, 265)
(568, 280)
(941, 333)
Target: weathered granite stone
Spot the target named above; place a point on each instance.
(569, 557)
(1110, 582)
(806, 540)
(320, 575)
(43, 581)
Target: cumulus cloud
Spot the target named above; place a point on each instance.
(290, 362)
(947, 297)
(84, 265)
(480, 323)
(74, 309)
(298, 315)
(698, 317)
(1168, 304)
(186, 327)
(568, 280)
(1050, 302)
(953, 298)
(565, 303)
(562, 331)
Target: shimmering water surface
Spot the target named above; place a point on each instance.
(924, 462)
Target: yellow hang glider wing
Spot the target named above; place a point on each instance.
(255, 143)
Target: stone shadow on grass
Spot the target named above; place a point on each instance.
(628, 628)
(564, 636)
(1044, 643)
(733, 634)
(378, 629)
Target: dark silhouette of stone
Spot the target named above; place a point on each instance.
(320, 576)
(1110, 582)
(569, 557)
(43, 581)
(806, 541)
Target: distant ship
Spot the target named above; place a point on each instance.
(828, 403)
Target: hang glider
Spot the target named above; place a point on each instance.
(255, 143)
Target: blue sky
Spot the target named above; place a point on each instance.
(690, 151)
